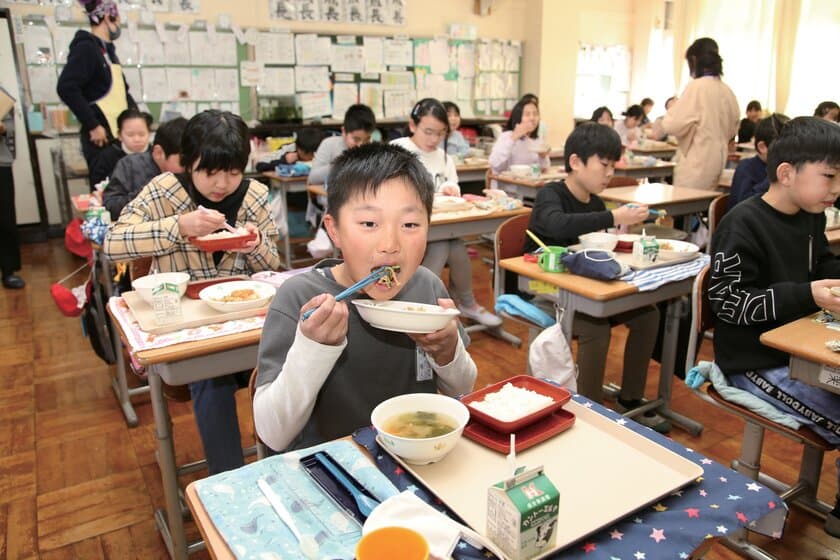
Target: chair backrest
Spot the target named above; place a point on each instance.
(262, 449)
(622, 181)
(717, 208)
(509, 241)
(488, 182)
(702, 319)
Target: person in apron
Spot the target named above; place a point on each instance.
(92, 83)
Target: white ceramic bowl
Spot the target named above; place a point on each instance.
(521, 170)
(420, 451)
(674, 249)
(145, 284)
(213, 295)
(404, 316)
(599, 240)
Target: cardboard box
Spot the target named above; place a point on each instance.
(522, 514)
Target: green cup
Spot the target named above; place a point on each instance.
(550, 261)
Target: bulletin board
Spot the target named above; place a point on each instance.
(180, 68)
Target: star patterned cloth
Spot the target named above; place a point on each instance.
(715, 505)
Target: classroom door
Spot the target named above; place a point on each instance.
(26, 200)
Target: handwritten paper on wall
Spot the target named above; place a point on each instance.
(151, 49)
(312, 50)
(177, 48)
(275, 48)
(312, 78)
(370, 94)
(373, 54)
(398, 52)
(344, 95)
(278, 81)
(348, 58)
(316, 104)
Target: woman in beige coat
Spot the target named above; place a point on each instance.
(704, 119)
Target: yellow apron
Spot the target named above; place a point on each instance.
(115, 100)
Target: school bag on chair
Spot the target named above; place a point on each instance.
(550, 356)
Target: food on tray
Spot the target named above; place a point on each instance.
(390, 277)
(666, 246)
(511, 402)
(224, 234)
(239, 295)
(419, 425)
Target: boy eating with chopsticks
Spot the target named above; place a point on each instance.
(321, 376)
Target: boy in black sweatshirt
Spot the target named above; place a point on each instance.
(771, 265)
(562, 212)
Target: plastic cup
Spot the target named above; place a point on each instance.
(550, 261)
(388, 543)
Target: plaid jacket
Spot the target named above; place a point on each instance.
(148, 227)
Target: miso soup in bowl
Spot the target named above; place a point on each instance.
(420, 428)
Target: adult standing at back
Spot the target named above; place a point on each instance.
(92, 83)
(703, 119)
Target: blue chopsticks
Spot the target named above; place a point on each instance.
(367, 280)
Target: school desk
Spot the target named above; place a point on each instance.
(655, 148)
(810, 361)
(658, 170)
(604, 299)
(526, 188)
(683, 524)
(472, 172)
(286, 185)
(677, 201)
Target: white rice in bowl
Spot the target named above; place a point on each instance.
(511, 403)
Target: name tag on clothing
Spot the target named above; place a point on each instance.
(424, 368)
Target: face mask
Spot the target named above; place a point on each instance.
(114, 34)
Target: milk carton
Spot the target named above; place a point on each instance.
(166, 301)
(522, 514)
(645, 250)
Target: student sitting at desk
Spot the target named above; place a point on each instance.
(628, 127)
(133, 131)
(302, 150)
(159, 222)
(603, 115)
(746, 128)
(456, 144)
(751, 174)
(134, 171)
(520, 144)
(771, 265)
(320, 378)
(562, 212)
(359, 122)
(429, 125)
(829, 111)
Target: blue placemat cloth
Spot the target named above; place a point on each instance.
(252, 529)
(716, 505)
(647, 280)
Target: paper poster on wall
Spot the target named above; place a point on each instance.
(314, 104)
(397, 80)
(372, 54)
(465, 88)
(278, 81)
(497, 106)
(348, 58)
(275, 48)
(37, 45)
(466, 60)
(251, 73)
(132, 78)
(398, 103)
(129, 53)
(218, 50)
(62, 36)
(312, 78)
(282, 9)
(227, 83)
(155, 84)
(42, 82)
(344, 95)
(398, 52)
(180, 83)
(512, 52)
(332, 11)
(355, 11)
(344, 77)
(307, 10)
(177, 48)
(421, 53)
(203, 86)
(151, 49)
(370, 94)
(439, 56)
(312, 50)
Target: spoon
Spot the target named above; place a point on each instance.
(365, 503)
(228, 227)
(537, 240)
(307, 543)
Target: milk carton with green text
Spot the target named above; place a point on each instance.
(522, 514)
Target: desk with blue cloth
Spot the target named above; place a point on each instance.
(237, 523)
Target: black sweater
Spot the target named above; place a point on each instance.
(763, 265)
(87, 77)
(559, 218)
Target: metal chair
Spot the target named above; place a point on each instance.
(803, 493)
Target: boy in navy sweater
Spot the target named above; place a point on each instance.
(751, 174)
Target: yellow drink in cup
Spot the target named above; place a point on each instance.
(388, 543)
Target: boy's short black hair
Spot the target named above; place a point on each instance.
(824, 108)
(217, 140)
(592, 139)
(767, 130)
(646, 101)
(133, 114)
(634, 111)
(359, 117)
(169, 134)
(753, 105)
(804, 140)
(450, 106)
(596, 114)
(308, 140)
(363, 169)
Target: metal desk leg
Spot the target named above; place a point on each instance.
(667, 368)
(169, 521)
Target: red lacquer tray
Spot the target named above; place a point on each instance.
(559, 395)
(528, 436)
(223, 243)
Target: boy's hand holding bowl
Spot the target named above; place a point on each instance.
(441, 344)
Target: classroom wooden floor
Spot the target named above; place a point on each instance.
(77, 483)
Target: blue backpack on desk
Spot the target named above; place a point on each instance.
(593, 263)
